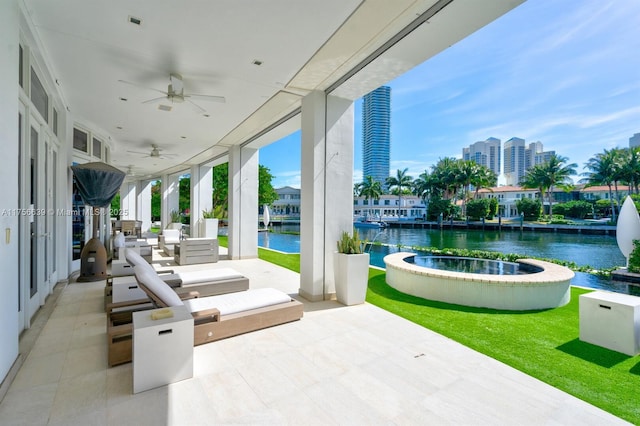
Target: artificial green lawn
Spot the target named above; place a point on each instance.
(543, 344)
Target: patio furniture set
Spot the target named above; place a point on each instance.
(152, 313)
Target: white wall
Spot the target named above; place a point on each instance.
(9, 19)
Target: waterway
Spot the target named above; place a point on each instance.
(596, 251)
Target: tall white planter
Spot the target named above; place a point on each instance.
(351, 277)
(209, 228)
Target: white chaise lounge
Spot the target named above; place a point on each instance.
(209, 281)
(215, 317)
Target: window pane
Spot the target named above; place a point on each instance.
(80, 140)
(20, 66)
(55, 122)
(39, 96)
(97, 148)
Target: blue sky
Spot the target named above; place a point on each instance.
(562, 72)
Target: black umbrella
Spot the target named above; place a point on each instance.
(97, 184)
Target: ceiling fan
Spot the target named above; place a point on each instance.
(175, 94)
(155, 153)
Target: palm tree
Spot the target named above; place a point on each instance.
(536, 178)
(445, 174)
(425, 186)
(466, 170)
(559, 174)
(485, 178)
(604, 169)
(369, 188)
(545, 176)
(630, 162)
(400, 183)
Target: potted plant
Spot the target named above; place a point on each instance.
(175, 220)
(351, 269)
(209, 224)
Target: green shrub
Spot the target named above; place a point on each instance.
(477, 209)
(493, 207)
(574, 209)
(439, 205)
(530, 207)
(634, 258)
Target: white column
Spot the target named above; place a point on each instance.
(128, 195)
(243, 203)
(143, 204)
(170, 189)
(201, 196)
(326, 205)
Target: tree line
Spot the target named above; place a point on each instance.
(454, 181)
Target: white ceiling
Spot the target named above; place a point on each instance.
(303, 45)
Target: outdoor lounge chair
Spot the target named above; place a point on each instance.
(209, 282)
(218, 317)
(167, 240)
(215, 317)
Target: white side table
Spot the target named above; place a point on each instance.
(162, 349)
(611, 320)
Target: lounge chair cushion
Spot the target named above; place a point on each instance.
(241, 301)
(210, 275)
(134, 258)
(171, 236)
(150, 279)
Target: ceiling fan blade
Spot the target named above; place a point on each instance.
(196, 107)
(141, 86)
(138, 152)
(155, 100)
(208, 98)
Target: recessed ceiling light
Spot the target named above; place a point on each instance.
(164, 108)
(124, 99)
(183, 137)
(119, 127)
(257, 62)
(134, 20)
(206, 115)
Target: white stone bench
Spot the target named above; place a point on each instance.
(196, 250)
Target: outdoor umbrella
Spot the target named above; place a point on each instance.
(97, 184)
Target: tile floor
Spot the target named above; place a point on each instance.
(339, 365)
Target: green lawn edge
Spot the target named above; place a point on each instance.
(543, 344)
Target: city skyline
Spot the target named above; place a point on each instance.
(563, 73)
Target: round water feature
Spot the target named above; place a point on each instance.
(473, 265)
(531, 285)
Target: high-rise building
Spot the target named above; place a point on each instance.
(486, 153)
(514, 159)
(518, 158)
(376, 134)
(634, 140)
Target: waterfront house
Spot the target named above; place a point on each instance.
(288, 202)
(390, 208)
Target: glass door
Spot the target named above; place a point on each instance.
(36, 226)
(21, 223)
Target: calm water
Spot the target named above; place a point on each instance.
(597, 251)
(473, 265)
